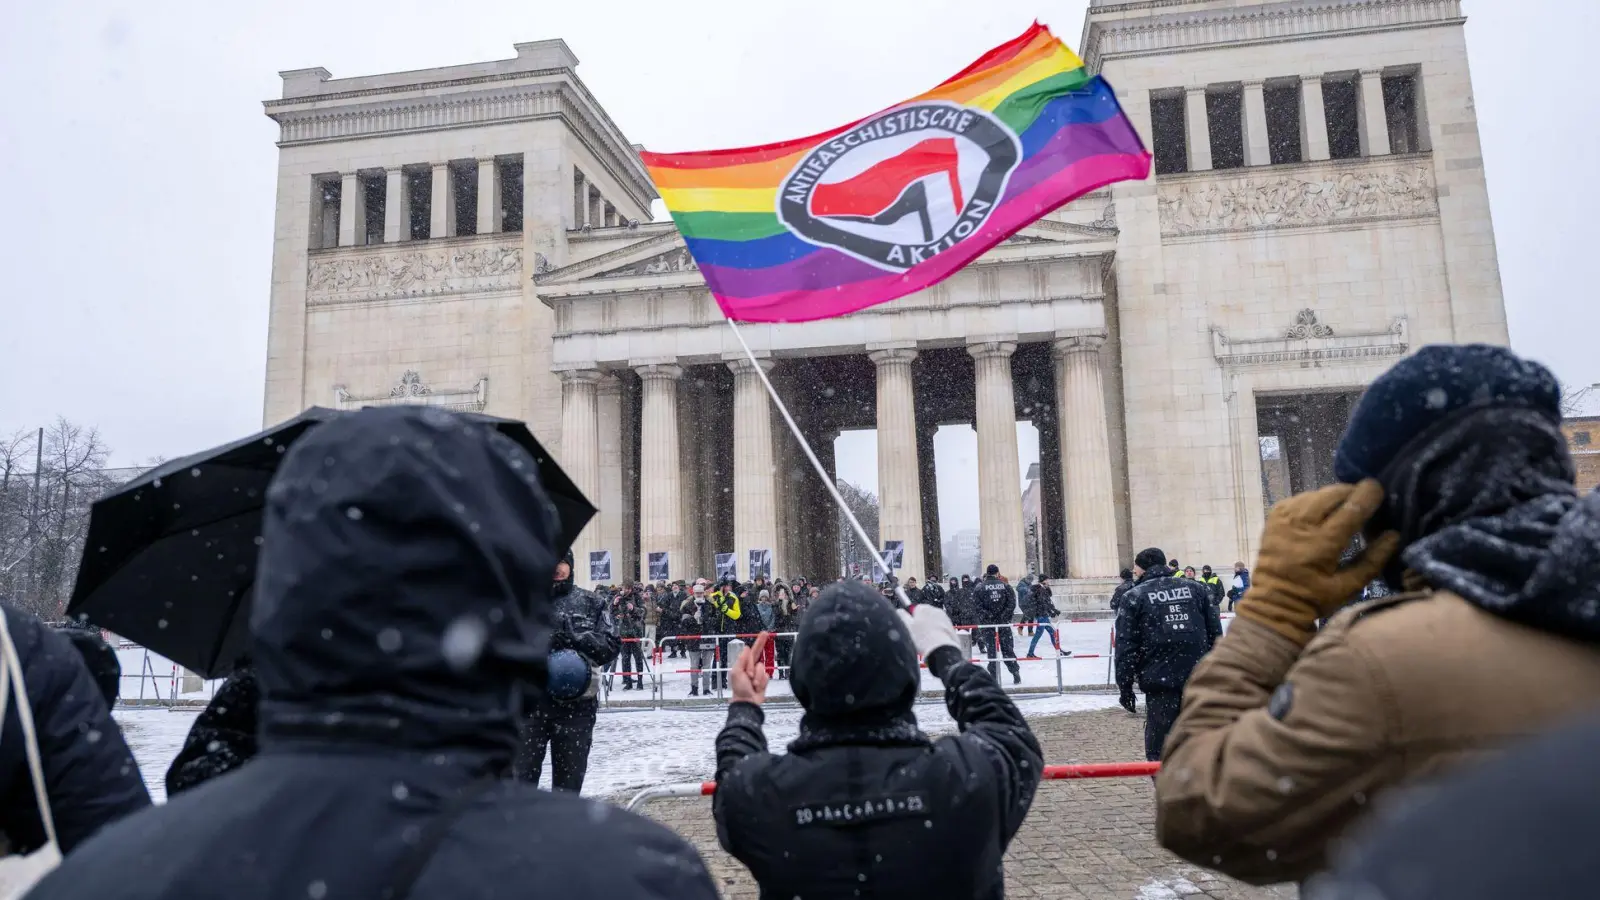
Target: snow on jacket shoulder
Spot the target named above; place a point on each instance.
(223, 736)
(91, 777)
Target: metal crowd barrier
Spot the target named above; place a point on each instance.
(656, 676)
(1051, 773)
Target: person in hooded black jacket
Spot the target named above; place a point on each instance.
(583, 623)
(1120, 592)
(400, 610)
(91, 778)
(1165, 625)
(864, 804)
(933, 593)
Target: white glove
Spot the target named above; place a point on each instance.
(930, 628)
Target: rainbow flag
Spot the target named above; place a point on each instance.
(902, 199)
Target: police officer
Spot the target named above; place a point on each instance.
(997, 606)
(1165, 625)
(564, 720)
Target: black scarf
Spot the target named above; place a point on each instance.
(1485, 507)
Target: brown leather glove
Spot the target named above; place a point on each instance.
(1297, 579)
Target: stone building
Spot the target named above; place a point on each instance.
(478, 236)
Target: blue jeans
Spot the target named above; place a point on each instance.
(1044, 625)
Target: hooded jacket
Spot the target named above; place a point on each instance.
(1279, 750)
(91, 778)
(864, 804)
(400, 609)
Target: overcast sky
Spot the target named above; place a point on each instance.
(140, 172)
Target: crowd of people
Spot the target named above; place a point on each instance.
(698, 621)
(410, 666)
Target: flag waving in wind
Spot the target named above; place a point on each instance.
(902, 199)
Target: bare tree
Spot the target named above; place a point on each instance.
(47, 484)
(1579, 401)
(865, 506)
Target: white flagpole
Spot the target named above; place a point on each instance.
(833, 490)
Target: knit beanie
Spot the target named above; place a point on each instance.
(1437, 383)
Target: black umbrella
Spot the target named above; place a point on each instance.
(170, 556)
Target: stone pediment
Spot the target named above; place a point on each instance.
(661, 255)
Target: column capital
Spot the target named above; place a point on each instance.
(984, 349)
(440, 165)
(580, 376)
(891, 354)
(1254, 83)
(659, 372)
(1195, 89)
(1079, 343)
(741, 365)
(394, 170)
(1310, 79)
(1372, 73)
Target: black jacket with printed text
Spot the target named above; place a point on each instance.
(1164, 626)
(864, 804)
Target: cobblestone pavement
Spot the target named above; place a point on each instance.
(1086, 839)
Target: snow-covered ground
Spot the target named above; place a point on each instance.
(632, 748)
(635, 748)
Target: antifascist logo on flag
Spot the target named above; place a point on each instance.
(897, 201)
(902, 186)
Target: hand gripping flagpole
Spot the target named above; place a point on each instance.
(833, 490)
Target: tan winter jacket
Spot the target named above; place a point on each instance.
(1278, 751)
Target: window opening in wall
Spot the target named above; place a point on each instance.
(419, 199)
(510, 193)
(464, 191)
(1225, 118)
(325, 230)
(1299, 434)
(1283, 122)
(1340, 101)
(374, 190)
(1580, 438)
(1400, 108)
(1169, 133)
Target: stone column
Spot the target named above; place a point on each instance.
(928, 496)
(899, 484)
(352, 210)
(828, 520)
(755, 502)
(691, 443)
(1374, 121)
(1086, 458)
(1257, 145)
(615, 504)
(488, 196)
(580, 456)
(396, 214)
(444, 203)
(999, 472)
(660, 494)
(1313, 119)
(1197, 122)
